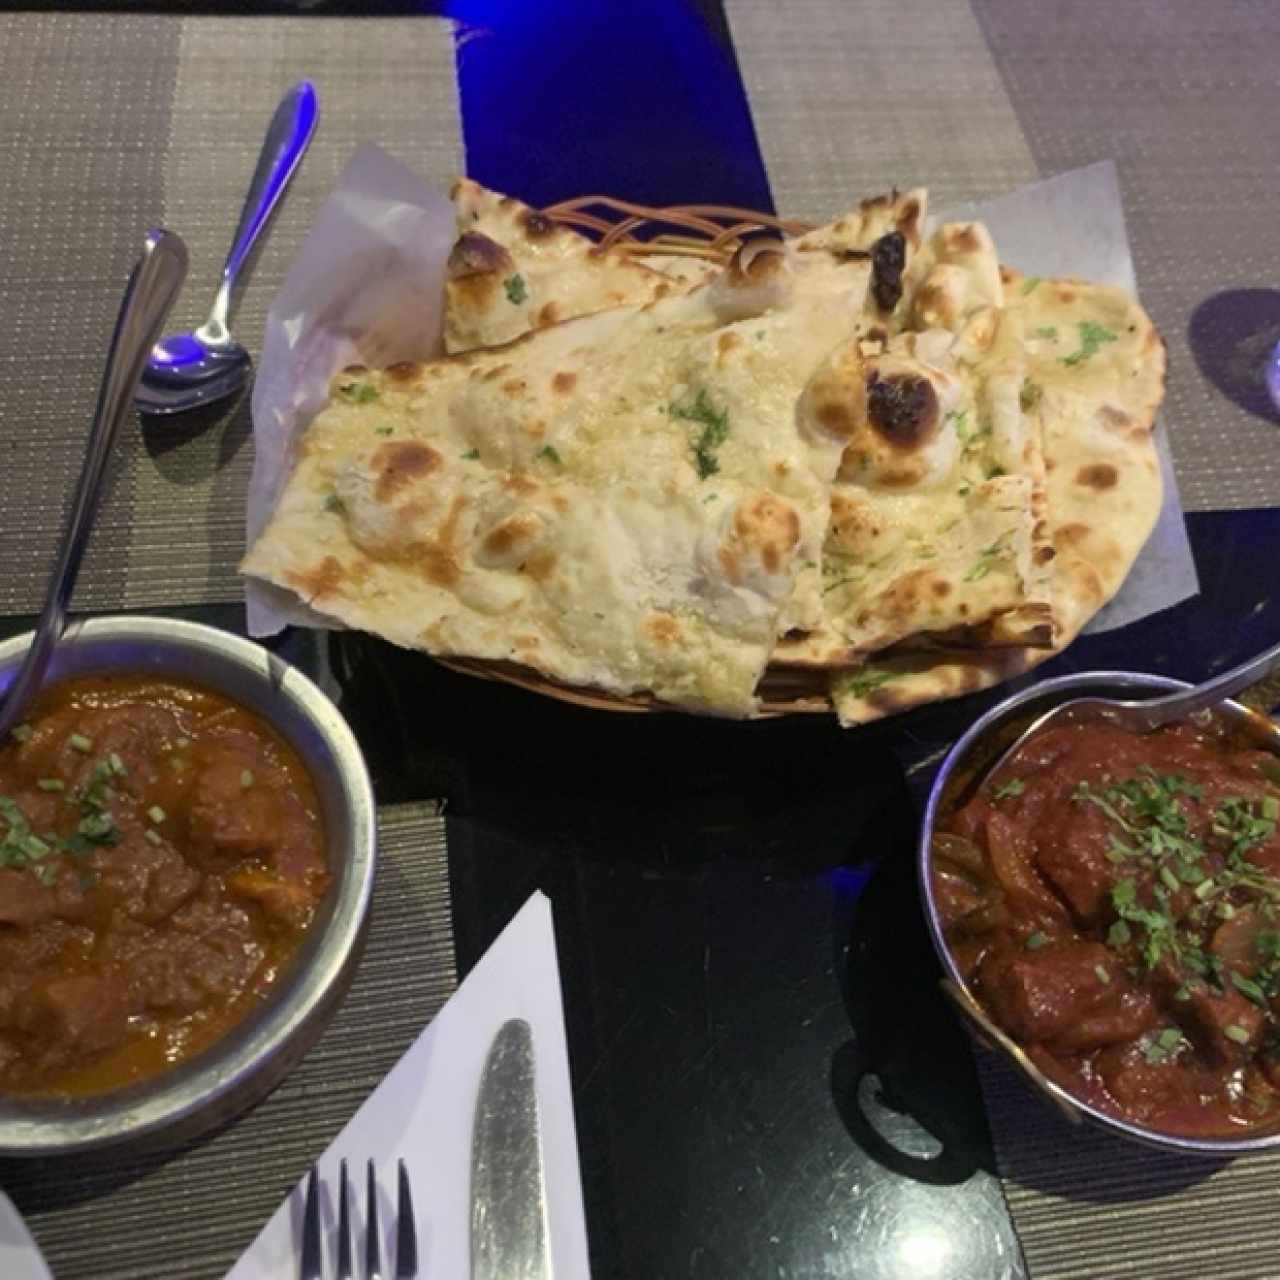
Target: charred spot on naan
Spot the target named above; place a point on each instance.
(398, 463)
(769, 525)
(537, 226)
(439, 557)
(321, 580)
(1098, 475)
(511, 541)
(834, 403)
(404, 371)
(903, 408)
(888, 259)
(328, 578)
(663, 629)
(910, 218)
(758, 545)
(473, 255)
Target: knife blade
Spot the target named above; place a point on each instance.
(508, 1189)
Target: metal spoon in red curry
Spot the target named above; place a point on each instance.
(1113, 901)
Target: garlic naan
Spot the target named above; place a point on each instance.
(629, 500)
(937, 531)
(1094, 382)
(513, 269)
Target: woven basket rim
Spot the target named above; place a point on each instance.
(711, 231)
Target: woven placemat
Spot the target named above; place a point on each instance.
(116, 123)
(974, 99)
(191, 1212)
(1090, 1206)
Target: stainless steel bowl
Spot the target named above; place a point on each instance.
(969, 760)
(255, 1055)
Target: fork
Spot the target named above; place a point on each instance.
(312, 1267)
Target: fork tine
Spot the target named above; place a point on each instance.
(406, 1233)
(372, 1230)
(312, 1266)
(346, 1264)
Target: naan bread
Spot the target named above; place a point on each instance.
(629, 500)
(887, 231)
(937, 528)
(1094, 382)
(513, 269)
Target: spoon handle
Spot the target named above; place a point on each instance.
(1175, 706)
(288, 137)
(152, 287)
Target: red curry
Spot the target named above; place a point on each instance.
(1114, 903)
(161, 857)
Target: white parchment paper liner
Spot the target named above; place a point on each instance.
(367, 288)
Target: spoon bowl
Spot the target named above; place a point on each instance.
(189, 370)
(184, 372)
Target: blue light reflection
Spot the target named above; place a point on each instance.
(566, 97)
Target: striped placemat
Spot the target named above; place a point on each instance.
(1090, 1206)
(116, 123)
(191, 1212)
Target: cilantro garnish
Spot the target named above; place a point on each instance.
(1011, 789)
(1046, 331)
(1249, 989)
(1028, 284)
(715, 430)
(1092, 337)
(516, 289)
(471, 455)
(1036, 940)
(335, 504)
(862, 682)
(360, 392)
(548, 451)
(1164, 1044)
(987, 558)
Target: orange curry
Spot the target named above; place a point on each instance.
(161, 856)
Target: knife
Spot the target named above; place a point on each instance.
(508, 1190)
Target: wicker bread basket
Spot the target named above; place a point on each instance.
(712, 233)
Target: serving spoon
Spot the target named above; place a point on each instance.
(1144, 715)
(153, 285)
(191, 369)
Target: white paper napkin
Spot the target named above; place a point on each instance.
(423, 1110)
(20, 1259)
